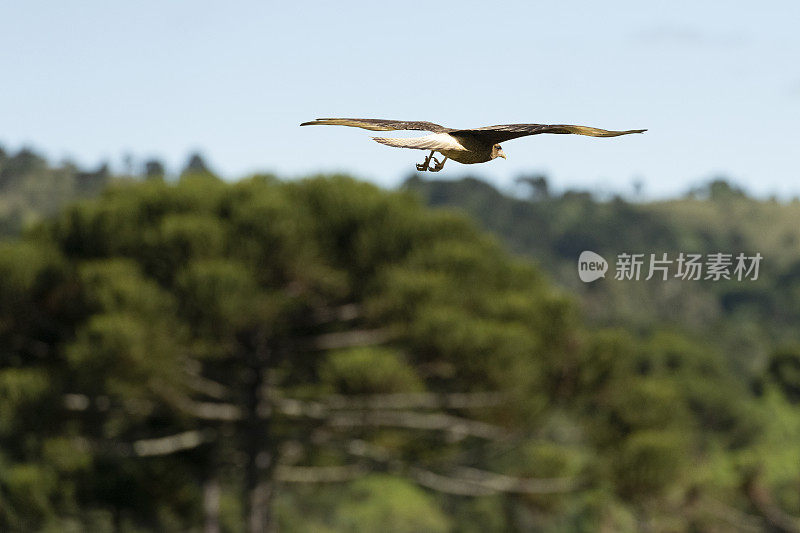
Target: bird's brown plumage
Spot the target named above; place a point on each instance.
(378, 124)
(506, 132)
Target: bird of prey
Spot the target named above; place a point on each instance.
(468, 146)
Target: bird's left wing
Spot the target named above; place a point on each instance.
(506, 132)
(378, 124)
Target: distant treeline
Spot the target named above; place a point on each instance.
(32, 187)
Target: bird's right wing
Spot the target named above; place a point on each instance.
(435, 141)
(377, 124)
(506, 132)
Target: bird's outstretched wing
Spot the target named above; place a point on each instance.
(506, 132)
(378, 124)
(436, 141)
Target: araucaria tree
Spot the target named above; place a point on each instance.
(192, 353)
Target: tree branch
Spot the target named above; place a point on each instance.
(347, 339)
(423, 400)
(318, 474)
(170, 444)
(465, 481)
(458, 427)
(223, 412)
(343, 313)
(448, 485)
(204, 385)
(505, 483)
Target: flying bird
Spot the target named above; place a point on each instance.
(470, 146)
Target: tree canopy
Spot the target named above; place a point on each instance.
(325, 355)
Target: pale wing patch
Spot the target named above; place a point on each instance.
(437, 141)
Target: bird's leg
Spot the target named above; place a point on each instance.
(439, 164)
(422, 167)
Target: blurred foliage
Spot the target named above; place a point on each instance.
(747, 320)
(173, 350)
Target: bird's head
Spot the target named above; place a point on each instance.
(497, 151)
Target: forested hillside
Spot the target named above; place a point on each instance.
(747, 319)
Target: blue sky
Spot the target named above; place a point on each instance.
(716, 83)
